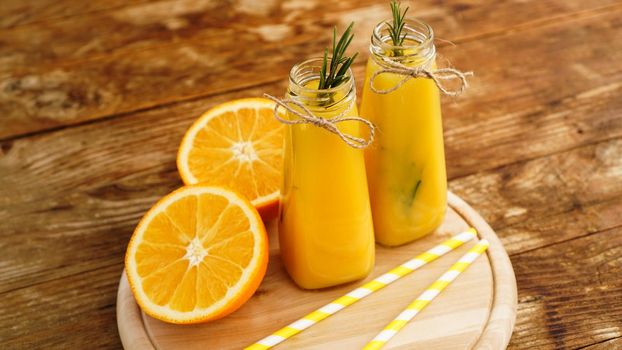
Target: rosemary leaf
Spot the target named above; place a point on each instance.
(323, 70)
(396, 28)
(334, 74)
(344, 68)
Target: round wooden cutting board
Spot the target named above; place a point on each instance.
(477, 311)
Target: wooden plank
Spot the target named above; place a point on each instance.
(70, 41)
(546, 186)
(570, 293)
(20, 12)
(542, 231)
(83, 76)
(541, 84)
(614, 343)
(162, 24)
(74, 312)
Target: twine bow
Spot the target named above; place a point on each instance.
(437, 75)
(329, 124)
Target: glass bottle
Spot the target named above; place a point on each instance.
(406, 164)
(325, 225)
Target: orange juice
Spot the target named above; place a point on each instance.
(406, 165)
(325, 226)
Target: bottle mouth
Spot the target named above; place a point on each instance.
(418, 42)
(302, 88)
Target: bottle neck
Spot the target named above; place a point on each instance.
(303, 81)
(417, 49)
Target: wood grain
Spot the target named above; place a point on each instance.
(577, 220)
(74, 312)
(580, 302)
(83, 76)
(173, 23)
(535, 146)
(571, 179)
(20, 12)
(614, 343)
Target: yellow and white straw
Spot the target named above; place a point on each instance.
(363, 291)
(426, 297)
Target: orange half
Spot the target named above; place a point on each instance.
(197, 255)
(239, 145)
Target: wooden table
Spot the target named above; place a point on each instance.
(95, 97)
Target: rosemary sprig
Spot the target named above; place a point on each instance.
(334, 74)
(395, 28)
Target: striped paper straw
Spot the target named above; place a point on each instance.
(426, 297)
(363, 291)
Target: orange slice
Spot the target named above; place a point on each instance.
(197, 255)
(239, 145)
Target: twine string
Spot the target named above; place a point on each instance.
(437, 75)
(329, 124)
